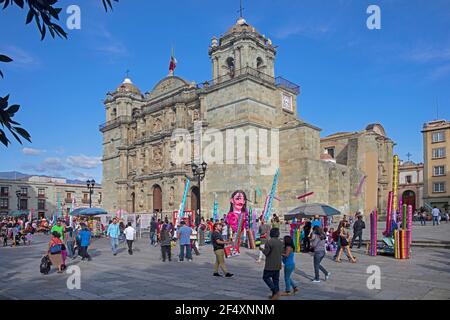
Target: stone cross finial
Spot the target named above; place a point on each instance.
(241, 10)
(408, 155)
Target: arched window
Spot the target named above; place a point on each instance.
(259, 62)
(230, 65)
(113, 113)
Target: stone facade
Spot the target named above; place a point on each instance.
(45, 195)
(410, 187)
(371, 152)
(244, 105)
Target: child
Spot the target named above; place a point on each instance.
(28, 238)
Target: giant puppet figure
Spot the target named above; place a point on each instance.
(237, 217)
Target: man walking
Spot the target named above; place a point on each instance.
(114, 232)
(218, 246)
(264, 231)
(184, 234)
(153, 230)
(271, 275)
(358, 227)
(85, 241)
(130, 235)
(436, 214)
(166, 238)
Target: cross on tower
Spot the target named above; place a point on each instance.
(408, 155)
(127, 72)
(241, 9)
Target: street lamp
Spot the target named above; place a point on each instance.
(90, 185)
(199, 173)
(18, 194)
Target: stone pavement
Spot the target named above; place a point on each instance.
(144, 276)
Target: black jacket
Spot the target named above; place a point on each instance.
(358, 226)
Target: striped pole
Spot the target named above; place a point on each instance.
(272, 195)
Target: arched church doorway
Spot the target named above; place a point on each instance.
(157, 198)
(409, 198)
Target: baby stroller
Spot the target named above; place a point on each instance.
(45, 264)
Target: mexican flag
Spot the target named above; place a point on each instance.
(173, 63)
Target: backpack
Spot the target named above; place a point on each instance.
(55, 249)
(45, 265)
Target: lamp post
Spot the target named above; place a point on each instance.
(90, 185)
(199, 173)
(18, 194)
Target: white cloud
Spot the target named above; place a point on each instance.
(21, 58)
(32, 152)
(429, 54)
(51, 164)
(84, 162)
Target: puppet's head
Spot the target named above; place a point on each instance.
(238, 201)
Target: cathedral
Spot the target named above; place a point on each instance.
(243, 124)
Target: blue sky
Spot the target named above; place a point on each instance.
(350, 76)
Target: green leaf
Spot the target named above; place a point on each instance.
(13, 109)
(15, 136)
(30, 16)
(24, 133)
(19, 3)
(4, 102)
(3, 138)
(4, 58)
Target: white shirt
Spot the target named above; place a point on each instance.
(436, 212)
(130, 233)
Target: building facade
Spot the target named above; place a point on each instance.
(410, 187)
(436, 145)
(243, 124)
(371, 152)
(44, 196)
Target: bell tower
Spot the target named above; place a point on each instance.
(241, 48)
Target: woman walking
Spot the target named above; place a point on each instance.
(343, 244)
(55, 251)
(318, 243)
(289, 265)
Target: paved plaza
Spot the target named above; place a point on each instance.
(144, 276)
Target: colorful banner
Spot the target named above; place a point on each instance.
(395, 183)
(409, 223)
(361, 183)
(271, 196)
(183, 201)
(387, 230)
(216, 205)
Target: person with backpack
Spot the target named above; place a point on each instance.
(166, 239)
(343, 244)
(358, 228)
(318, 242)
(335, 236)
(55, 247)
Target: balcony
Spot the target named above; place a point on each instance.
(115, 122)
(250, 72)
(68, 200)
(85, 201)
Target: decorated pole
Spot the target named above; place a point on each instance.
(388, 214)
(395, 184)
(272, 195)
(216, 205)
(409, 223)
(404, 217)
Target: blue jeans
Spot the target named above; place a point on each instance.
(318, 256)
(152, 237)
(114, 245)
(272, 279)
(188, 252)
(70, 251)
(435, 220)
(288, 269)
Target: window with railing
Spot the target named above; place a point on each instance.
(4, 203)
(438, 153)
(41, 193)
(439, 187)
(41, 204)
(438, 171)
(23, 204)
(4, 191)
(24, 192)
(438, 137)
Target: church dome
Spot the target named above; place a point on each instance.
(128, 86)
(240, 26)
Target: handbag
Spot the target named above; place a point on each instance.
(55, 249)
